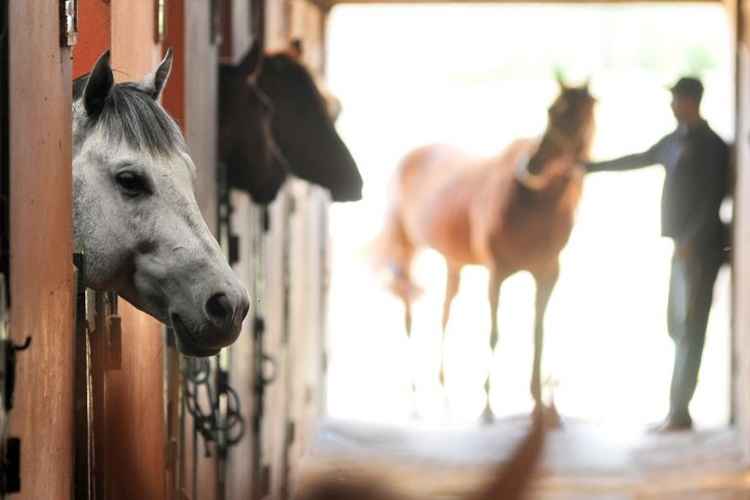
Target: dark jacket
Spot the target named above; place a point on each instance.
(696, 161)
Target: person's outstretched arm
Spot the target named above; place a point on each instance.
(629, 162)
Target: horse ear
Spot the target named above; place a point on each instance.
(296, 48)
(154, 82)
(560, 78)
(250, 64)
(99, 84)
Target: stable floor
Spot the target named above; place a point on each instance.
(581, 461)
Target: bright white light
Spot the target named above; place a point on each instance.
(478, 77)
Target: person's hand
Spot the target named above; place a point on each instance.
(683, 250)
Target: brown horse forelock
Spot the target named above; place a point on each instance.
(568, 130)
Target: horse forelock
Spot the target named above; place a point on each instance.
(131, 115)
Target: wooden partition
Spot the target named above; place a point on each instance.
(41, 247)
(135, 405)
(740, 10)
(191, 97)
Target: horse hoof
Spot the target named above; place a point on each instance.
(551, 418)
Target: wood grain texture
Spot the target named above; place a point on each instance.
(135, 393)
(41, 248)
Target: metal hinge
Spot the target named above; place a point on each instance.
(160, 30)
(68, 22)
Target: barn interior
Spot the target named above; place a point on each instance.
(103, 405)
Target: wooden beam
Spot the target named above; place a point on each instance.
(327, 4)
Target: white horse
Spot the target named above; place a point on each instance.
(135, 215)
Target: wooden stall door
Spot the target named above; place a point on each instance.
(243, 477)
(741, 250)
(191, 98)
(136, 451)
(41, 247)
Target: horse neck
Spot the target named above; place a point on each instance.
(551, 147)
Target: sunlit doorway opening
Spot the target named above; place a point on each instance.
(478, 76)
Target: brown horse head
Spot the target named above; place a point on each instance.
(571, 121)
(246, 144)
(304, 130)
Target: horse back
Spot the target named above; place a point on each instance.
(436, 185)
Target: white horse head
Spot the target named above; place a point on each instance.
(136, 217)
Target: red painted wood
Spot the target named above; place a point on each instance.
(173, 97)
(93, 34)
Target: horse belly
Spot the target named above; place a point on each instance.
(533, 242)
(435, 194)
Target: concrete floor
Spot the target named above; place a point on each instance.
(581, 461)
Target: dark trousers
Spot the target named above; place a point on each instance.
(691, 288)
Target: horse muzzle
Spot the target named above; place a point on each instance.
(219, 325)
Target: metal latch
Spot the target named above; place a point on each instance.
(161, 20)
(68, 22)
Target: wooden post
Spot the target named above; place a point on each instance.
(41, 274)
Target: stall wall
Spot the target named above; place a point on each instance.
(41, 248)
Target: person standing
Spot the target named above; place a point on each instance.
(696, 163)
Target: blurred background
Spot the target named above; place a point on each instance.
(478, 77)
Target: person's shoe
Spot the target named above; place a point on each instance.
(673, 424)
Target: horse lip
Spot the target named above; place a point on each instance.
(186, 343)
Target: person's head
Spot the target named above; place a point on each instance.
(686, 100)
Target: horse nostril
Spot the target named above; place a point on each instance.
(219, 309)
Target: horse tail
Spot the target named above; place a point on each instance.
(393, 252)
(513, 479)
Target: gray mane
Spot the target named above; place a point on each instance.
(132, 115)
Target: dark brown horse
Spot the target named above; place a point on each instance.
(304, 129)
(510, 481)
(513, 212)
(273, 122)
(246, 145)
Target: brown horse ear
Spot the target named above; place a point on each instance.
(98, 86)
(250, 65)
(560, 78)
(296, 48)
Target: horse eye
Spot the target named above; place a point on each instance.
(131, 183)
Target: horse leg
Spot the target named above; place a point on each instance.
(408, 324)
(496, 279)
(451, 289)
(545, 283)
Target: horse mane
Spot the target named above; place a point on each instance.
(132, 115)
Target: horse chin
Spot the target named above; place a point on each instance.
(184, 341)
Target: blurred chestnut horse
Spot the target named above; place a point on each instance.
(512, 212)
